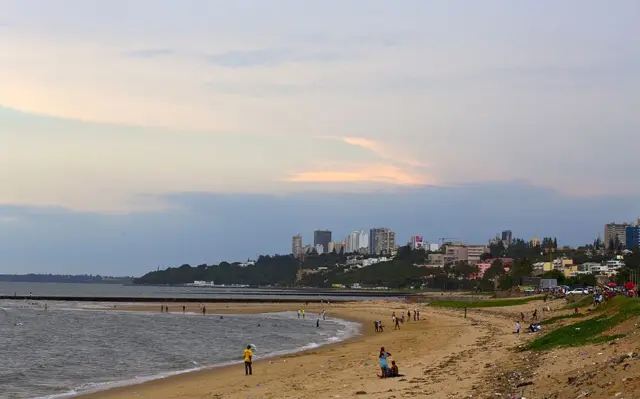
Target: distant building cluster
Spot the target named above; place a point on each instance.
(376, 241)
(379, 241)
(622, 235)
(458, 252)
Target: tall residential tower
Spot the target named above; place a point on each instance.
(382, 241)
(296, 245)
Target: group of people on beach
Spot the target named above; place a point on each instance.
(165, 309)
(396, 321)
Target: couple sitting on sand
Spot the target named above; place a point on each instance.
(387, 371)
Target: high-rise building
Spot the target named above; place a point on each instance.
(356, 241)
(507, 237)
(615, 233)
(382, 241)
(296, 245)
(632, 237)
(351, 242)
(363, 240)
(322, 237)
(417, 242)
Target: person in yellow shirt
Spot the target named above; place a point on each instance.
(248, 355)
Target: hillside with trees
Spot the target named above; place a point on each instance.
(408, 269)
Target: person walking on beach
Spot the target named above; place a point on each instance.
(375, 325)
(396, 323)
(408, 315)
(380, 326)
(184, 309)
(317, 323)
(298, 313)
(204, 309)
(303, 313)
(535, 315)
(248, 355)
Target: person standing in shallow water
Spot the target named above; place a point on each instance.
(248, 355)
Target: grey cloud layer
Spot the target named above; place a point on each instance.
(210, 228)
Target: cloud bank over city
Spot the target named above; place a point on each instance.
(120, 112)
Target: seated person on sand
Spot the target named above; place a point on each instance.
(393, 371)
(534, 327)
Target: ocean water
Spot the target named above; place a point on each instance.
(116, 290)
(69, 349)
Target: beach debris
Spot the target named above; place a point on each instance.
(361, 393)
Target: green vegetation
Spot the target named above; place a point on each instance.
(489, 303)
(554, 319)
(591, 330)
(405, 271)
(583, 302)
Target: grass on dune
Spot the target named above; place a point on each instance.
(552, 320)
(591, 330)
(488, 303)
(580, 303)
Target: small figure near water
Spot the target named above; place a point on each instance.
(317, 323)
(248, 355)
(204, 309)
(184, 309)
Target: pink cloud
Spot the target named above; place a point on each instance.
(373, 173)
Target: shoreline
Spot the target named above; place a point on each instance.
(443, 355)
(354, 324)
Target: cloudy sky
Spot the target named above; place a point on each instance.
(158, 132)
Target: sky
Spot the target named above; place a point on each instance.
(160, 132)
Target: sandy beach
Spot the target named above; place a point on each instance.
(425, 350)
(444, 355)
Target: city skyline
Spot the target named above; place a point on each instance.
(171, 134)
